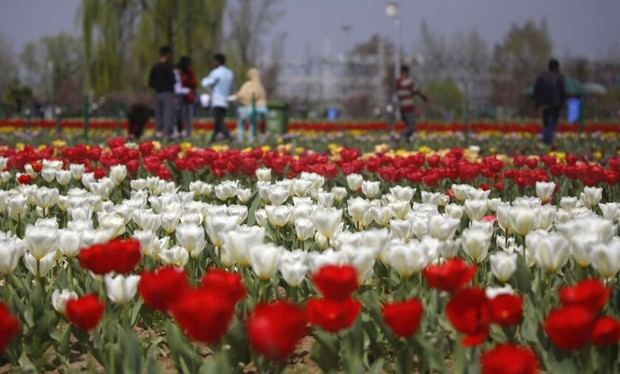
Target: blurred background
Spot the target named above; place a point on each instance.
(323, 59)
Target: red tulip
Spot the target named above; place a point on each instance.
(450, 275)
(469, 313)
(275, 329)
(118, 255)
(606, 331)
(162, 287)
(9, 326)
(24, 179)
(332, 315)
(569, 328)
(336, 282)
(228, 282)
(590, 293)
(203, 314)
(506, 309)
(85, 312)
(509, 359)
(403, 317)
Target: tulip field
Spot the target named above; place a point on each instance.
(149, 258)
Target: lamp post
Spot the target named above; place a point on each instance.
(392, 10)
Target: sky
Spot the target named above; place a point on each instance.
(578, 27)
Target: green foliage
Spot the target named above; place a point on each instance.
(445, 95)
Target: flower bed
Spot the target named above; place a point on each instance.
(132, 257)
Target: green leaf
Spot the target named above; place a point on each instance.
(130, 351)
(252, 210)
(376, 367)
(325, 351)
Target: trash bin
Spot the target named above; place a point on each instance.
(277, 118)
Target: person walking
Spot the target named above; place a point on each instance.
(186, 93)
(220, 82)
(406, 93)
(253, 102)
(550, 97)
(161, 79)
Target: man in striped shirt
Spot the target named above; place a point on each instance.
(406, 92)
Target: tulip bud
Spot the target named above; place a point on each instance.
(69, 242)
(118, 173)
(121, 289)
(544, 191)
(605, 258)
(175, 256)
(11, 250)
(590, 196)
(371, 189)
(354, 181)
(264, 259)
(503, 265)
(293, 267)
(327, 221)
(476, 243)
(192, 238)
(263, 174)
(278, 216)
(60, 298)
(476, 209)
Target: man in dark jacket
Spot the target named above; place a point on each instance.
(162, 80)
(550, 96)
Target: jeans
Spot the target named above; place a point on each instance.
(409, 120)
(550, 120)
(186, 117)
(219, 116)
(164, 112)
(244, 113)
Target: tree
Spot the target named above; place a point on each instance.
(51, 63)
(7, 64)
(517, 60)
(447, 98)
(249, 21)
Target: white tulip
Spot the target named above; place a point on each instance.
(60, 298)
(200, 188)
(400, 209)
(476, 243)
(363, 259)
(327, 221)
(69, 242)
(176, 256)
(11, 250)
(40, 267)
(544, 190)
(40, 240)
(118, 173)
(293, 267)
(16, 206)
(48, 175)
(408, 258)
(448, 248)
(304, 229)
(218, 226)
(455, 211)
(239, 211)
(169, 221)
(149, 244)
(401, 229)
(550, 250)
(5, 176)
(112, 222)
(546, 217)
(340, 193)
(263, 174)
(278, 195)
(605, 258)
(476, 209)
(76, 170)
(591, 196)
(403, 193)
(317, 260)
(192, 238)
(460, 191)
(434, 198)
(237, 244)
(522, 219)
(370, 188)
(609, 210)
(261, 217)
(503, 265)
(357, 208)
(354, 181)
(264, 259)
(244, 195)
(443, 227)
(278, 216)
(493, 292)
(46, 197)
(121, 289)
(226, 190)
(301, 187)
(326, 199)
(381, 215)
(568, 202)
(147, 220)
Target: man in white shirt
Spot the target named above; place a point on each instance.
(220, 81)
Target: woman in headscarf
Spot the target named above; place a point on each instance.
(252, 101)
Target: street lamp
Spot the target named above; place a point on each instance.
(392, 10)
